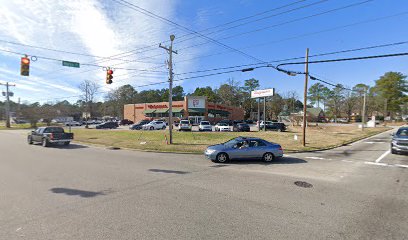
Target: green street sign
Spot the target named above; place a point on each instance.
(70, 64)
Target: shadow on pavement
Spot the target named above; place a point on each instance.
(71, 146)
(167, 171)
(282, 160)
(76, 192)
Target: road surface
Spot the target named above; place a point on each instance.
(79, 192)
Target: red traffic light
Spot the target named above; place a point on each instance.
(110, 72)
(25, 60)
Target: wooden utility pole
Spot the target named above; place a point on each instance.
(305, 97)
(170, 63)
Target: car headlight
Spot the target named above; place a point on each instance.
(210, 151)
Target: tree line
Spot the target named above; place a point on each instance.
(388, 97)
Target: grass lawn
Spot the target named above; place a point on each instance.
(19, 126)
(196, 142)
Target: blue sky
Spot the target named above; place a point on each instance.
(107, 28)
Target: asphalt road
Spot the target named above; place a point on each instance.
(79, 192)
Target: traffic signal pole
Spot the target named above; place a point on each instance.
(170, 65)
(8, 102)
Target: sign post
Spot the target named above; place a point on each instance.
(258, 94)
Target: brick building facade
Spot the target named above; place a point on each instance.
(193, 108)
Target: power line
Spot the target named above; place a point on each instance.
(83, 64)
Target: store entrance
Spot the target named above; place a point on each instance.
(195, 120)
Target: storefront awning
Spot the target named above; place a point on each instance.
(196, 110)
(162, 110)
(149, 111)
(178, 110)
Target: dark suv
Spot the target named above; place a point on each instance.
(109, 125)
(241, 127)
(276, 126)
(399, 141)
(139, 125)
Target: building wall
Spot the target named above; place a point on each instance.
(135, 112)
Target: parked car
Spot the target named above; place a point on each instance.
(222, 127)
(73, 123)
(154, 125)
(185, 125)
(204, 126)
(126, 122)
(139, 125)
(235, 122)
(274, 126)
(399, 143)
(244, 148)
(241, 127)
(50, 135)
(249, 121)
(227, 121)
(107, 125)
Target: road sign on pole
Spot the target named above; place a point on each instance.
(70, 64)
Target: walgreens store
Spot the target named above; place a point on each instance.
(193, 108)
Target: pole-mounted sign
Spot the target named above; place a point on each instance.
(263, 93)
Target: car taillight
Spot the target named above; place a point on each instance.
(52, 136)
(280, 148)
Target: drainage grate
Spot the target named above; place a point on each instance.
(303, 184)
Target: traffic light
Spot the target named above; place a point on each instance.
(109, 76)
(25, 66)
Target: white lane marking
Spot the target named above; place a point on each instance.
(382, 156)
(347, 161)
(387, 165)
(318, 158)
(373, 142)
(286, 155)
(377, 164)
(400, 165)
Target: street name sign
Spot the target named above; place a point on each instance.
(70, 64)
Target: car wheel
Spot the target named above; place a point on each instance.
(279, 130)
(66, 143)
(393, 151)
(222, 158)
(268, 157)
(29, 140)
(151, 128)
(164, 127)
(44, 142)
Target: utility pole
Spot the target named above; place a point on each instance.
(8, 102)
(305, 97)
(364, 110)
(170, 64)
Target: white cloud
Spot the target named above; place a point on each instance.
(101, 28)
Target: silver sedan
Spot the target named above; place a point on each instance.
(244, 148)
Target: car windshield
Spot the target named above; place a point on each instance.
(222, 124)
(243, 125)
(184, 122)
(205, 123)
(402, 132)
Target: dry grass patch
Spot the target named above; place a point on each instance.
(196, 142)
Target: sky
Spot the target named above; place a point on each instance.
(125, 36)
